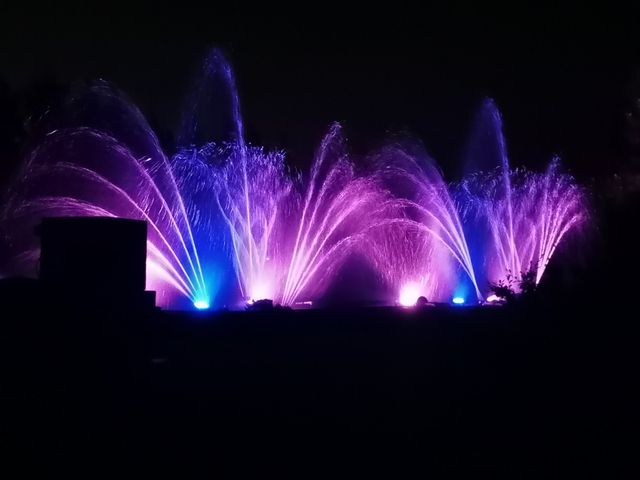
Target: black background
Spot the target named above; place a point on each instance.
(562, 75)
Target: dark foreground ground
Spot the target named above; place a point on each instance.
(525, 391)
(538, 390)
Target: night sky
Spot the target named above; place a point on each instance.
(563, 78)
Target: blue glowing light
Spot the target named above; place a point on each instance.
(458, 300)
(201, 304)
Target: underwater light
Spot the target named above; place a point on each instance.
(409, 294)
(458, 300)
(201, 304)
(261, 291)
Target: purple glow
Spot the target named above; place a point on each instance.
(525, 215)
(84, 172)
(289, 237)
(409, 294)
(219, 202)
(528, 222)
(424, 243)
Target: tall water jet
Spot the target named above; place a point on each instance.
(256, 197)
(523, 215)
(211, 112)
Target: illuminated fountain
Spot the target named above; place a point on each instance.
(256, 197)
(525, 216)
(423, 250)
(451, 242)
(289, 236)
(521, 216)
(219, 208)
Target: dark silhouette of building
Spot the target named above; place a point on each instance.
(95, 259)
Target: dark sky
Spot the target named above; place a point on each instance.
(561, 76)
